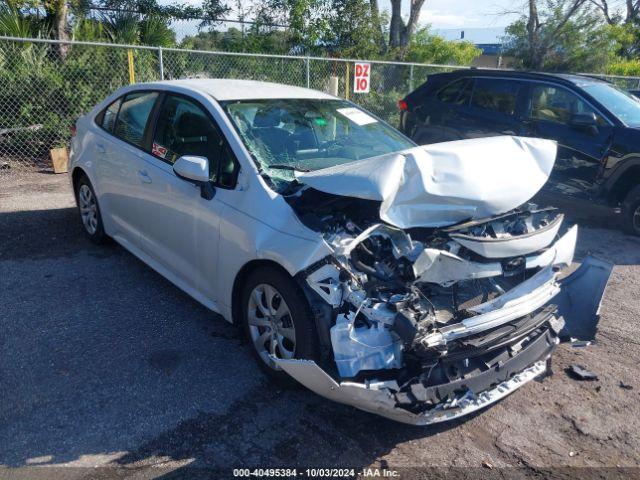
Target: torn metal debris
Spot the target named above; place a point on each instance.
(579, 372)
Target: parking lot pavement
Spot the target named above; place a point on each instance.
(103, 362)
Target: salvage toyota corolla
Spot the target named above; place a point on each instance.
(419, 283)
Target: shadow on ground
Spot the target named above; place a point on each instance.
(106, 361)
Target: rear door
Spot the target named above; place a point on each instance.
(580, 150)
(118, 150)
(441, 117)
(493, 109)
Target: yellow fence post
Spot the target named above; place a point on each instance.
(346, 83)
(132, 72)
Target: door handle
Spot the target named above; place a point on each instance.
(144, 176)
(101, 148)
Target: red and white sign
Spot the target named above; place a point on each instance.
(361, 78)
(158, 150)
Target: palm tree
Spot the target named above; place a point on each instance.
(154, 30)
(133, 29)
(13, 23)
(122, 28)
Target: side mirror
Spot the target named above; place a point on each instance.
(585, 121)
(195, 170)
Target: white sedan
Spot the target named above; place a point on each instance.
(414, 282)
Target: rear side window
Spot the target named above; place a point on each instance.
(184, 128)
(133, 116)
(495, 94)
(107, 117)
(456, 93)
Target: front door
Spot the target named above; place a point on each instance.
(552, 110)
(180, 229)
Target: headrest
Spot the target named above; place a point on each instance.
(267, 118)
(192, 125)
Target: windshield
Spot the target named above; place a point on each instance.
(309, 134)
(622, 104)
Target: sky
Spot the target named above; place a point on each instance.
(464, 13)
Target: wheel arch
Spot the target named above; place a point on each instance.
(625, 181)
(76, 174)
(238, 282)
(321, 311)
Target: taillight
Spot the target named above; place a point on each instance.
(402, 105)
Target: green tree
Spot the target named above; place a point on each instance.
(24, 15)
(134, 28)
(427, 48)
(560, 35)
(14, 23)
(348, 28)
(256, 39)
(307, 20)
(352, 30)
(401, 31)
(625, 26)
(209, 13)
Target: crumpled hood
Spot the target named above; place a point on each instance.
(445, 183)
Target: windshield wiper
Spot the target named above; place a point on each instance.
(287, 167)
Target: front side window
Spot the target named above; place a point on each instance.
(558, 105)
(622, 104)
(498, 95)
(284, 135)
(456, 93)
(184, 128)
(133, 116)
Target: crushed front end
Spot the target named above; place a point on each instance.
(428, 324)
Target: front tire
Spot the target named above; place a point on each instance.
(89, 211)
(631, 209)
(277, 321)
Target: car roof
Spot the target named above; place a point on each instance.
(566, 78)
(232, 89)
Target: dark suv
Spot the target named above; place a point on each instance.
(596, 125)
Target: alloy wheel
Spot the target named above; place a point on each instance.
(270, 324)
(88, 209)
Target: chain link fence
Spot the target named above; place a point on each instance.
(46, 85)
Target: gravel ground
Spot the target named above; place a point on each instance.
(103, 363)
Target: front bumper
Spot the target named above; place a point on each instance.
(531, 298)
(458, 368)
(381, 400)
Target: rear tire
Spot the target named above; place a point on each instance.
(277, 320)
(631, 209)
(89, 211)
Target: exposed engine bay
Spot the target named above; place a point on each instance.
(429, 323)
